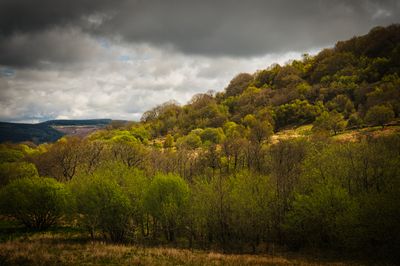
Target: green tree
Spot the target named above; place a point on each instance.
(36, 202)
(379, 115)
(166, 200)
(169, 141)
(212, 135)
(332, 121)
(322, 218)
(251, 207)
(14, 170)
(191, 141)
(238, 84)
(101, 204)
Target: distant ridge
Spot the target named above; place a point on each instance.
(85, 122)
(37, 133)
(48, 131)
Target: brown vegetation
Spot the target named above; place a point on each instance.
(70, 249)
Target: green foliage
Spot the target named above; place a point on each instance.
(212, 135)
(342, 104)
(379, 115)
(169, 141)
(355, 121)
(332, 121)
(8, 155)
(190, 141)
(260, 131)
(251, 202)
(378, 229)
(36, 202)
(238, 84)
(102, 204)
(321, 218)
(299, 111)
(16, 170)
(140, 133)
(166, 200)
(132, 181)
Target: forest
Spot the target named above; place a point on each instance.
(222, 172)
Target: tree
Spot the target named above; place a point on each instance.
(166, 200)
(14, 170)
(102, 204)
(332, 121)
(251, 201)
(132, 154)
(321, 218)
(212, 135)
(355, 121)
(191, 141)
(61, 160)
(169, 141)
(260, 131)
(238, 84)
(380, 115)
(36, 202)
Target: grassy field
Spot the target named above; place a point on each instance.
(66, 246)
(346, 135)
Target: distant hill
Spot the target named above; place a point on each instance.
(49, 131)
(37, 133)
(86, 122)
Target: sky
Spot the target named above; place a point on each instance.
(81, 59)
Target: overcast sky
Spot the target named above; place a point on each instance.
(76, 59)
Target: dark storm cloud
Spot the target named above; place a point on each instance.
(44, 48)
(225, 27)
(33, 15)
(243, 28)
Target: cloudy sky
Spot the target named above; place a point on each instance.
(73, 59)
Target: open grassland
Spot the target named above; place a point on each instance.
(69, 248)
(352, 135)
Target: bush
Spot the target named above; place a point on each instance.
(102, 204)
(36, 202)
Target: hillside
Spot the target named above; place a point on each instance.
(49, 131)
(355, 83)
(37, 133)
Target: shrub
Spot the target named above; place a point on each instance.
(37, 202)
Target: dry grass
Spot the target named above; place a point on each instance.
(69, 249)
(374, 132)
(345, 136)
(295, 132)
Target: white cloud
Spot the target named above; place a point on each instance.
(104, 86)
